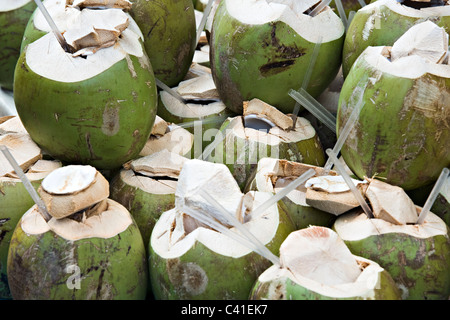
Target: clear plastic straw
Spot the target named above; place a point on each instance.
(341, 12)
(313, 106)
(343, 135)
(201, 26)
(170, 91)
(53, 26)
(433, 195)
(362, 3)
(319, 7)
(217, 140)
(308, 74)
(27, 184)
(282, 193)
(341, 170)
(261, 248)
(227, 232)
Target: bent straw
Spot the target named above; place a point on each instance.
(345, 132)
(351, 185)
(319, 7)
(341, 11)
(262, 249)
(27, 184)
(313, 106)
(227, 232)
(201, 26)
(282, 193)
(433, 194)
(53, 26)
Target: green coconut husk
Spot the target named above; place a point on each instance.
(266, 57)
(169, 36)
(12, 26)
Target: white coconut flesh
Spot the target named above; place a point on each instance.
(357, 226)
(175, 139)
(11, 124)
(273, 175)
(73, 188)
(23, 149)
(326, 26)
(175, 233)
(39, 170)
(201, 95)
(318, 260)
(262, 122)
(104, 224)
(12, 5)
(107, 43)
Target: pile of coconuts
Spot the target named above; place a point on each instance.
(143, 173)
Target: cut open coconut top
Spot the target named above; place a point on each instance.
(12, 5)
(402, 8)
(69, 179)
(121, 4)
(424, 46)
(326, 26)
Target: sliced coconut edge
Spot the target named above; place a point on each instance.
(177, 140)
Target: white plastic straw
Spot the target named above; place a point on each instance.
(313, 106)
(227, 232)
(319, 7)
(282, 193)
(341, 12)
(343, 135)
(341, 170)
(261, 248)
(201, 26)
(433, 194)
(362, 3)
(53, 26)
(169, 90)
(27, 184)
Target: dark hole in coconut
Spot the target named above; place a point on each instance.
(158, 178)
(252, 121)
(200, 101)
(423, 4)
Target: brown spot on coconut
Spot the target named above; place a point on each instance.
(72, 188)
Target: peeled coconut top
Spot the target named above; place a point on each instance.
(424, 46)
(326, 25)
(102, 38)
(105, 224)
(122, 4)
(398, 7)
(38, 171)
(317, 259)
(356, 226)
(175, 232)
(9, 5)
(264, 123)
(11, 124)
(69, 179)
(201, 88)
(272, 175)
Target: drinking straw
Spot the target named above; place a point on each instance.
(319, 7)
(210, 120)
(313, 106)
(362, 3)
(210, 147)
(27, 184)
(282, 193)
(201, 26)
(340, 168)
(231, 219)
(341, 11)
(433, 194)
(227, 232)
(53, 26)
(170, 91)
(343, 135)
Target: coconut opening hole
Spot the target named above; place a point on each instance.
(201, 101)
(252, 121)
(419, 4)
(157, 178)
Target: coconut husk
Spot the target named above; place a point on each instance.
(120, 4)
(160, 164)
(159, 127)
(63, 205)
(259, 107)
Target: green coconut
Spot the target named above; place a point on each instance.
(190, 260)
(146, 187)
(401, 134)
(262, 49)
(382, 22)
(169, 36)
(95, 253)
(96, 106)
(416, 256)
(264, 131)
(14, 197)
(317, 265)
(14, 16)
(201, 114)
(272, 175)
